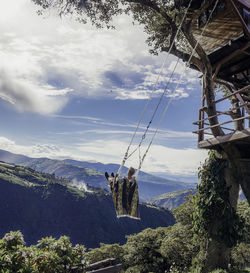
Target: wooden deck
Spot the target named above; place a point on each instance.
(222, 29)
(226, 24)
(225, 36)
(238, 137)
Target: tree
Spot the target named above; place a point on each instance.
(142, 251)
(214, 219)
(161, 19)
(105, 251)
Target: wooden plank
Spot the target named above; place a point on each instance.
(226, 59)
(223, 123)
(227, 27)
(224, 128)
(238, 96)
(244, 3)
(244, 89)
(220, 113)
(102, 264)
(241, 19)
(111, 269)
(213, 142)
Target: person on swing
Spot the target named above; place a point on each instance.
(113, 177)
(130, 176)
(125, 193)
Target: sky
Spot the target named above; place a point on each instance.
(68, 90)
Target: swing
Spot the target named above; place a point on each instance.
(125, 190)
(125, 194)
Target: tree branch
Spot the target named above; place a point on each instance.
(156, 8)
(185, 57)
(153, 6)
(197, 13)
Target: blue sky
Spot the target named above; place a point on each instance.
(68, 90)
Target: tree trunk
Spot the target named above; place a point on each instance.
(239, 156)
(218, 254)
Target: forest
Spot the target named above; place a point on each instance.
(176, 248)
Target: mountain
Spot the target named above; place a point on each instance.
(173, 199)
(42, 205)
(149, 185)
(57, 167)
(92, 174)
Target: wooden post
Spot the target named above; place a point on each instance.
(200, 133)
(201, 114)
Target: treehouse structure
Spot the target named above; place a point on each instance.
(226, 41)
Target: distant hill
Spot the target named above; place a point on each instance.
(42, 205)
(173, 199)
(93, 173)
(149, 185)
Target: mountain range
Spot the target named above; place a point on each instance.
(92, 174)
(40, 205)
(172, 200)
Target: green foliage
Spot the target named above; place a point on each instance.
(241, 252)
(105, 251)
(244, 212)
(49, 255)
(27, 177)
(184, 213)
(142, 251)
(214, 217)
(219, 271)
(159, 18)
(178, 247)
(169, 249)
(173, 199)
(12, 240)
(241, 255)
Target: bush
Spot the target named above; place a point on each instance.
(49, 255)
(105, 251)
(178, 247)
(241, 255)
(142, 251)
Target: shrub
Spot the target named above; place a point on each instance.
(49, 255)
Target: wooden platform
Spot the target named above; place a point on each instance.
(238, 137)
(110, 265)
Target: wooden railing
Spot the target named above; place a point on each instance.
(242, 109)
(104, 266)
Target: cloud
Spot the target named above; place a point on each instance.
(6, 143)
(29, 95)
(77, 117)
(160, 159)
(39, 150)
(48, 59)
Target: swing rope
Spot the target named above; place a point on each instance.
(173, 94)
(155, 111)
(150, 96)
